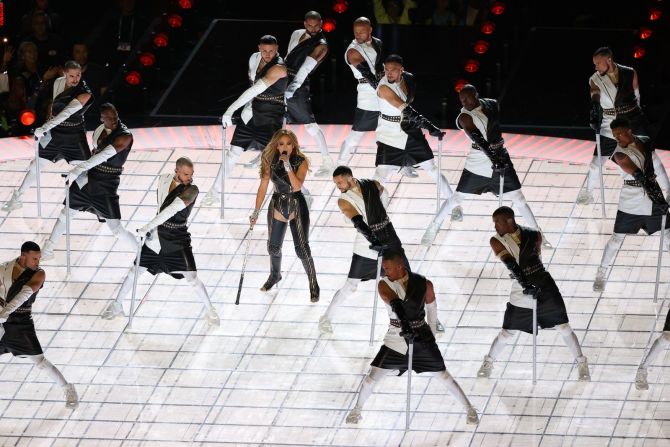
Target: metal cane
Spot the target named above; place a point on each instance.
(410, 360)
(244, 264)
(224, 160)
(439, 173)
(600, 173)
(660, 256)
(502, 187)
(535, 339)
(37, 173)
(67, 224)
(140, 243)
(374, 304)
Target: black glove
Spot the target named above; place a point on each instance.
(498, 161)
(406, 329)
(365, 230)
(378, 247)
(596, 116)
(411, 119)
(365, 70)
(517, 273)
(650, 186)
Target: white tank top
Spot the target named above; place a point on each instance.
(389, 132)
(295, 39)
(477, 162)
(392, 339)
(633, 199)
(516, 295)
(361, 245)
(608, 93)
(367, 96)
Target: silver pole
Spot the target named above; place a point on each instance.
(67, 224)
(660, 256)
(374, 304)
(534, 340)
(224, 157)
(439, 176)
(502, 188)
(410, 360)
(137, 273)
(600, 173)
(37, 173)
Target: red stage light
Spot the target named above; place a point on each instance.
(133, 78)
(328, 25)
(340, 6)
(472, 65)
(497, 8)
(645, 33)
(481, 47)
(2, 14)
(638, 51)
(27, 117)
(185, 4)
(488, 27)
(655, 14)
(174, 21)
(161, 40)
(147, 59)
(458, 85)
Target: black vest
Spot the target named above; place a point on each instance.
(414, 305)
(279, 87)
(529, 259)
(298, 55)
(278, 174)
(375, 214)
(118, 160)
(379, 65)
(181, 218)
(490, 109)
(24, 311)
(66, 96)
(625, 95)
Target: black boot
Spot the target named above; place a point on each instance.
(275, 273)
(314, 290)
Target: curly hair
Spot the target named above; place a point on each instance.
(270, 150)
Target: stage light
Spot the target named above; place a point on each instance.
(655, 14)
(488, 27)
(340, 6)
(2, 14)
(161, 40)
(174, 21)
(472, 65)
(481, 47)
(458, 85)
(645, 33)
(133, 78)
(27, 117)
(638, 51)
(185, 4)
(147, 59)
(497, 8)
(328, 25)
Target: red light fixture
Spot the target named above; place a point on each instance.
(185, 4)
(458, 85)
(2, 14)
(488, 27)
(328, 25)
(340, 6)
(497, 8)
(161, 40)
(472, 65)
(133, 78)
(174, 21)
(645, 33)
(638, 51)
(147, 59)
(27, 117)
(655, 14)
(481, 47)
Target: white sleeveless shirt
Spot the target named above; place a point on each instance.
(516, 295)
(389, 132)
(367, 96)
(633, 199)
(477, 162)
(608, 93)
(392, 338)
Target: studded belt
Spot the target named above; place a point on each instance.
(363, 81)
(632, 183)
(174, 226)
(626, 108)
(533, 269)
(108, 169)
(23, 310)
(414, 324)
(380, 225)
(278, 99)
(494, 146)
(69, 124)
(393, 119)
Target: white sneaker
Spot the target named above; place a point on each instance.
(431, 233)
(641, 379)
(473, 418)
(325, 327)
(600, 281)
(112, 311)
(583, 369)
(212, 198)
(486, 368)
(585, 197)
(438, 326)
(255, 162)
(211, 317)
(546, 244)
(354, 416)
(71, 397)
(13, 204)
(457, 214)
(409, 172)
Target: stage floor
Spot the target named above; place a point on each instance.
(266, 377)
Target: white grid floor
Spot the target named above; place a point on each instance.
(265, 377)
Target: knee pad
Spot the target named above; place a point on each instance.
(114, 226)
(274, 250)
(40, 361)
(429, 166)
(302, 251)
(236, 150)
(617, 238)
(564, 329)
(312, 129)
(191, 277)
(350, 285)
(506, 335)
(381, 172)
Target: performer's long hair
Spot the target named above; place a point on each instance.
(270, 151)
